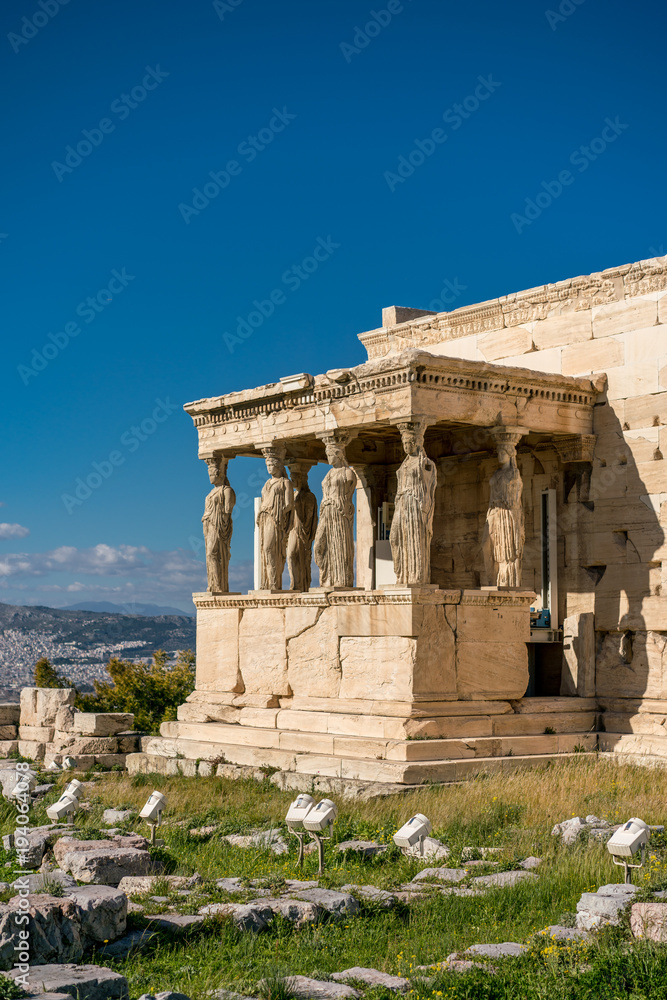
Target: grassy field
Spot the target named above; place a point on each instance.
(514, 812)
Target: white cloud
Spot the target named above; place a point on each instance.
(13, 530)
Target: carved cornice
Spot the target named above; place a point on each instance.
(575, 447)
(336, 598)
(407, 371)
(527, 306)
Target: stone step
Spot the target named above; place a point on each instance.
(292, 742)
(390, 727)
(311, 766)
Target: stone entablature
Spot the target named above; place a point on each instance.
(532, 305)
(377, 395)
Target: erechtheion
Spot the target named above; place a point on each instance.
(489, 544)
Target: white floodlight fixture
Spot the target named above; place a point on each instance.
(413, 832)
(628, 840)
(321, 816)
(152, 811)
(74, 789)
(66, 806)
(296, 814)
(24, 784)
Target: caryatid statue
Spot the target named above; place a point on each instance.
(334, 541)
(273, 520)
(412, 523)
(504, 532)
(302, 528)
(217, 524)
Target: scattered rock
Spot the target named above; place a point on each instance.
(372, 977)
(432, 849)
(136, 885)
(230, 884)
(604, 906)
(365, 848)
(468, 853)
(54, 926)
(569, 830)
(293, 884)
(86, 982)
(112, 816)
(134, 941)
(372, 894)
(204, 831)
(299, 912)
(245, 916)
(303, 988)
(649, 920)
(441, 874)
(42, 882)
(103, 912)
(340, 904)
(560, 933)
(271, 839)
(504, 879)
(503, 950)
(175, 923)
(106, 862)
(531, 862)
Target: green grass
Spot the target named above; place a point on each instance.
(514, 812)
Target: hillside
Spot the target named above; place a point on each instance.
(80, 643)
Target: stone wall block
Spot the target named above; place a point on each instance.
(578, 673)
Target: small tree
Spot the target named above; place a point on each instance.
(46, 675)
(151, 691)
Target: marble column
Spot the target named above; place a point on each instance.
(217, 524)
(274, 519)
(334, 542)
(504, 532)
(412, 524)
(371, 491)
(302, 527)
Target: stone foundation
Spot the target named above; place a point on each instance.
(395, 685)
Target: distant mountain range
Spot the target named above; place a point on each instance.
(80, 643)
(150, 610)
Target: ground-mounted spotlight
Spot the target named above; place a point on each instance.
(65, 807)
(24, 784)
(152, 812)
(413, 832)
(628, 840)
(296, 814)
(318, 819)
(74, 789)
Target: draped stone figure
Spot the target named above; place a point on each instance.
(504, 532)
(412, 523)
(302, 529)
(273, 520)
(217, 525)
(334, 541)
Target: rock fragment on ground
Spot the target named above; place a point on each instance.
(112, 816)
(364, 848)
(504, 879)
(372, 894)
(504, 949)
(605, 906)
(339, 904)
(440, 875)
(649, 920)
(85, 982)
(372, 977)
(304, 988)
(432, 849)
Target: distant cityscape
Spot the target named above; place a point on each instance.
(79, 642)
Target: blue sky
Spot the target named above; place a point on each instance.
(305, 115)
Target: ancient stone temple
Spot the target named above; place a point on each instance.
(489, 543)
